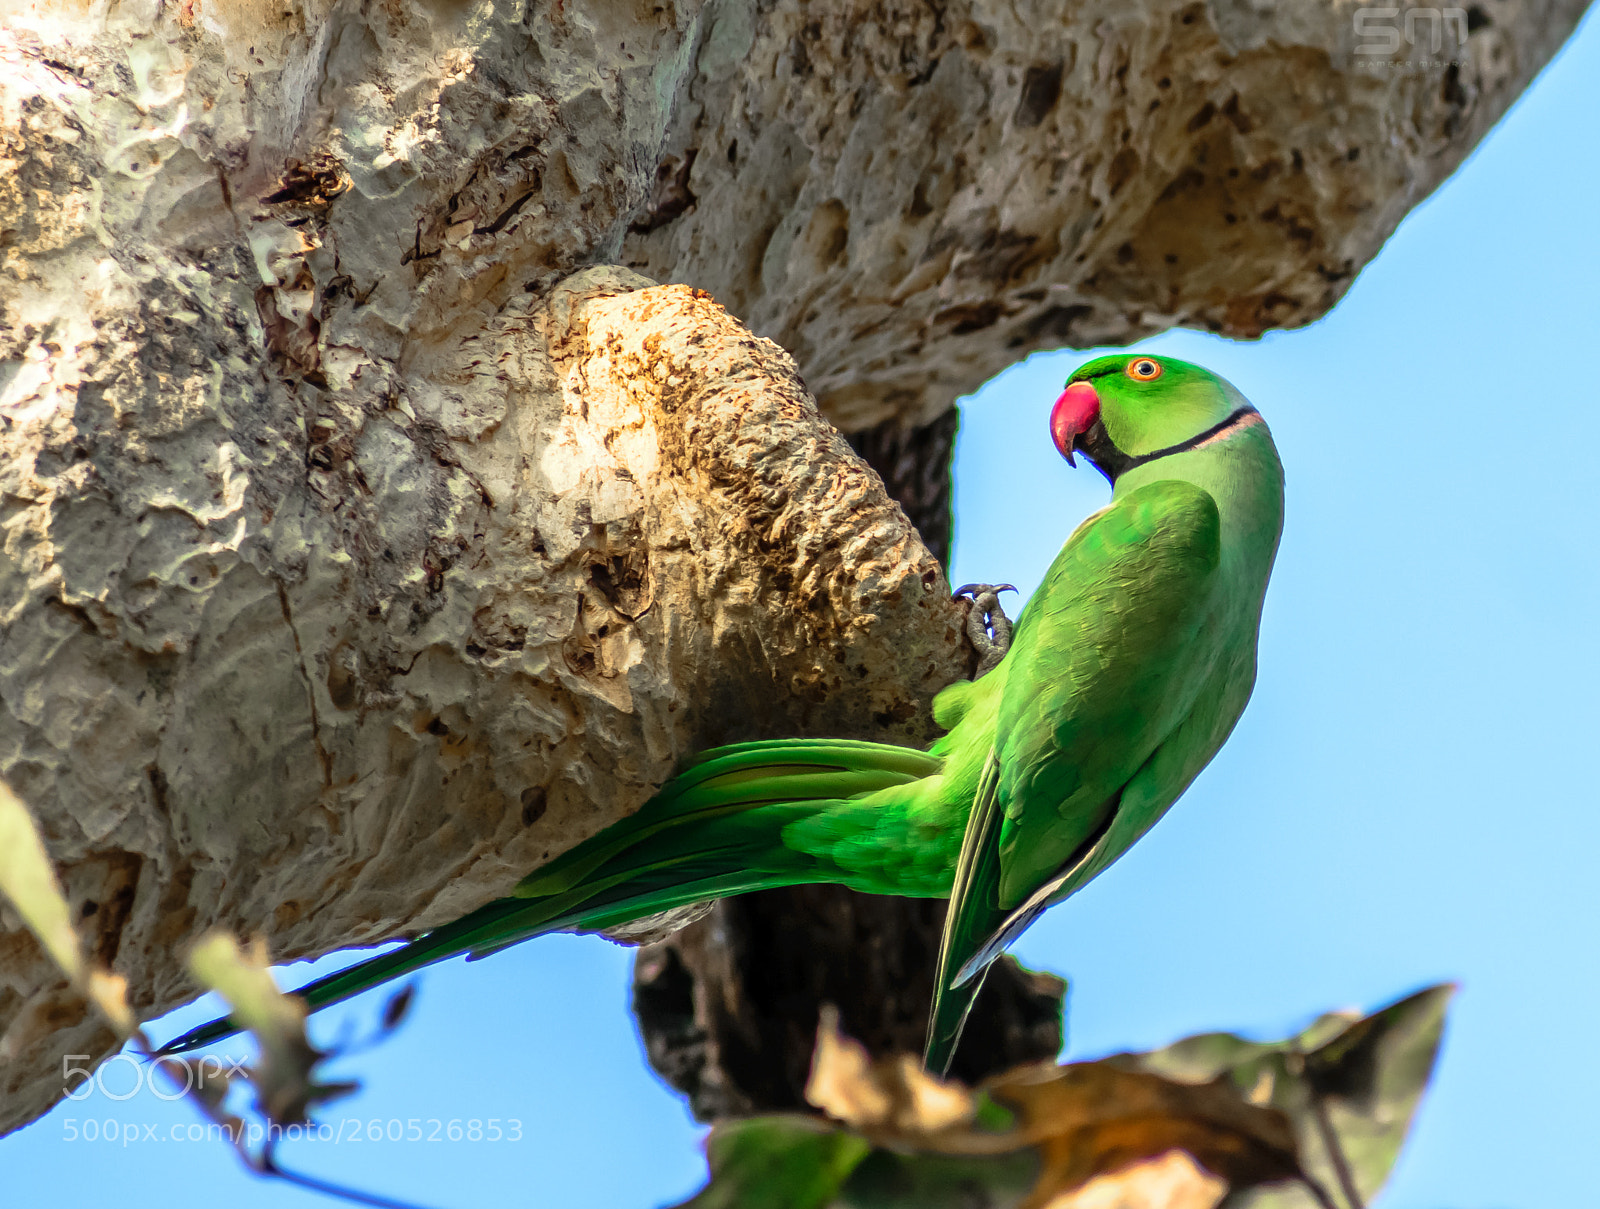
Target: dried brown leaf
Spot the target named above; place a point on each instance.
(1172, 1181)
(891, 1096)
(1083, 1120)
(1264, 1126)
(1087, 1119)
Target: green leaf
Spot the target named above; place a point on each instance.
(284, 1074)
(777, 1162)
(1349, 1085)
(254, 1000)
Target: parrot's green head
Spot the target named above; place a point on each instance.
(1122, 411)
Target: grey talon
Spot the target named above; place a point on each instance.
(988, 628)
(977, 589)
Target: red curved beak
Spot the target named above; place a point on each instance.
(1076, 409)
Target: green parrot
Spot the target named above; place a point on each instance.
(1125, 673)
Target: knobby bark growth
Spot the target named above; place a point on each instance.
(367, 538)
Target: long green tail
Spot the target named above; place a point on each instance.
(970, 920)
(741, 818)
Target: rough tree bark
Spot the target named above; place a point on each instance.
(366, 539)
(909, 196)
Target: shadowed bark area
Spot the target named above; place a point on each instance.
(728, 1007)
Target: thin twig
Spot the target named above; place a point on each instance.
(265, 1164)
(1330, 1142)
(1318, 1192)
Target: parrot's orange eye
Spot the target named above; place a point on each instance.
(1144, 370)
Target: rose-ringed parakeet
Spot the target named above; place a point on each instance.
(1127, 670)
(1131, 663)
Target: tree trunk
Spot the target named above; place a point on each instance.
(728, 1007)
(367, 540)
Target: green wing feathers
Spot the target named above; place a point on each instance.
(740, 818)
(1096, 678)
(1109, 660)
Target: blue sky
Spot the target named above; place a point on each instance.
(1409, 798)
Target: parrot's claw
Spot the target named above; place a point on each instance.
(988, 627)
